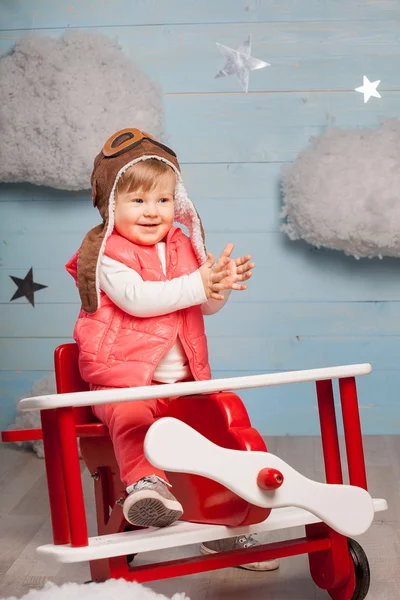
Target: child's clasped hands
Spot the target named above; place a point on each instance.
(225, 273)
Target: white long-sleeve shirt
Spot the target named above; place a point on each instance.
(125, 287)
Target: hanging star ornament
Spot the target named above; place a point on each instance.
(369, 89)
(240, 62)
(26, 287)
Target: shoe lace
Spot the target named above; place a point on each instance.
(247, 541)
(147, 481)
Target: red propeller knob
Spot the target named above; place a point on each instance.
(269, 479)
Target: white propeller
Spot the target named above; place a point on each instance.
(173, 446)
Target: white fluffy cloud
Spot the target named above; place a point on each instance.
(113, 588)
(31, 419)
(344, 191)
(60, 99)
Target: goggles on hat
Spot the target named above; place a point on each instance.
(126, 139)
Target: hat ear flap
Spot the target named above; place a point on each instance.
(88, 258)
(94, 191)
(93, 181)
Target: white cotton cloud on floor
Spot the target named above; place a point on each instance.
(343, 192)
(31, 418)
(60, 100)
(109, 590)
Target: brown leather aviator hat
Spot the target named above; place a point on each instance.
(121, 151)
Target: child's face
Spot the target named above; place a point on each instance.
(145, 217)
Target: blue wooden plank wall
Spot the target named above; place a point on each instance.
(304, 308)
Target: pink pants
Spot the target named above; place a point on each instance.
(128, 423)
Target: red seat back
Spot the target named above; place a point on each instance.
(68, 379)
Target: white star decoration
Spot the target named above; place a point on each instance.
(369, 89)
(240, 62)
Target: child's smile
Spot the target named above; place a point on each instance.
(145, 217)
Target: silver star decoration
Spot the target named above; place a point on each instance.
(240, 62)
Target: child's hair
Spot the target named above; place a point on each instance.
(143, 175)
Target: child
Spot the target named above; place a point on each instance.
(144, 288)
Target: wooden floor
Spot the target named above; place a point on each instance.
(24, 525)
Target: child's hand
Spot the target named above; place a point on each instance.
(213, 277)
(226, 273)
(240, 268)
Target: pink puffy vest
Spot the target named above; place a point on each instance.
(120, 350)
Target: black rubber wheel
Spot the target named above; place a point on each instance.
(361, 569)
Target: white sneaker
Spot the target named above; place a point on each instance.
(234, 543)
(151, 504)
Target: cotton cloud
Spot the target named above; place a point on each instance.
(344, 191)
(60, 99)
(113, 588)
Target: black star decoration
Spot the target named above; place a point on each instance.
(26, 287)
